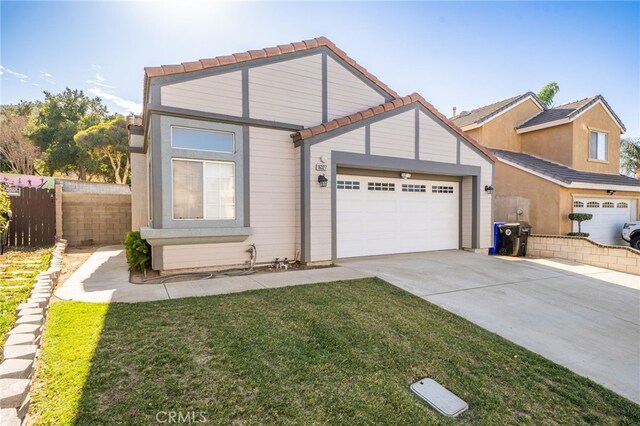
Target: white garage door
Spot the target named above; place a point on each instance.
(609, 215)
(383, 216)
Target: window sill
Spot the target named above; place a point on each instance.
(595, 160)
(169, 237)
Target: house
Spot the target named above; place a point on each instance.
(554, 161)
(302, 152)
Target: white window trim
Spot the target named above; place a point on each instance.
(606, 148)
(204, 192)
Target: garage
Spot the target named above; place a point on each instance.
(378, 215)
(609, 215)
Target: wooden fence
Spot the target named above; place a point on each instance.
(34, 218)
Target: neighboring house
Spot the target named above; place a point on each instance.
(298, 150)
(554, 161)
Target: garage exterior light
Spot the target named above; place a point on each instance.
(489, 189)
(322, 180)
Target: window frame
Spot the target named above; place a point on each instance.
(606, 146)
(163, 175)
(204, 189)
(233, 139)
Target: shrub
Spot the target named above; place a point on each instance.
(578, 234)
(138, 252)
(5, 207)
(579, 217)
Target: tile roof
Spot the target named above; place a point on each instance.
(134, 120)
(561, 172)
(481, 114)
(568, 111)
(389, 106)
(267, 52)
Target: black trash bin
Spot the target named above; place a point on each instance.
(510, 239)
(525, 231)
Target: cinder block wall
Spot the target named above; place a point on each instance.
(103, 218)
(583, 250)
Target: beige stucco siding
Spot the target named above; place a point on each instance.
(395, 136)
(436, 143)
(471, 157)
(274, 211)
(346, 93)
(320, 206)
(139, 192)
(500, 132)
(289, 91)
(221, 94)
(597, 119)
(553, 143)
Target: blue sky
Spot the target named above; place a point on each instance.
(454, 53)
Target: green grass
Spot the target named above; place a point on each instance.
(337, 353)
(18, 269)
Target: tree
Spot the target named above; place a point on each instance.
(17, 153)
(57, 119)
(547, 93)
(108, 141)
(630, 157)
(580, 217)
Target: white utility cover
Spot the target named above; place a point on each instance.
(386, 215)
(439, 397)
(606, 225)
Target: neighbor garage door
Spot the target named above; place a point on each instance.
(609, 215)
(384, 216)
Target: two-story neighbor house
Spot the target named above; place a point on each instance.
(554, 161)
(301, 152)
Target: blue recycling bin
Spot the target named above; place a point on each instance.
(497, 240)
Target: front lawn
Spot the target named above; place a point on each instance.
(18, 269)
(337, 353)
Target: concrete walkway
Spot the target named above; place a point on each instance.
(582, 317)
(104, 278)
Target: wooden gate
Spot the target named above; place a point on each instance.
(34, 218)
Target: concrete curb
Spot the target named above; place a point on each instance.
(22, 347)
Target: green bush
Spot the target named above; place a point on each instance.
(138, 252)
(579, 217)
(5, 207)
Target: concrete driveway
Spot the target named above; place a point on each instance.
(582, 317)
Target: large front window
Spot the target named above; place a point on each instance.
(204, 190)
(598, 146)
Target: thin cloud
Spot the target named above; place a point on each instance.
(96, 67)
(99, 81)
(22, 77)
(124, 104)
(46, 77)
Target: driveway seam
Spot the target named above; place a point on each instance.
(166, 290)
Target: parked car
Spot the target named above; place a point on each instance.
(631, 234)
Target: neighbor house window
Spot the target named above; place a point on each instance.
(204, 190)
(202, 140)
(598, 146)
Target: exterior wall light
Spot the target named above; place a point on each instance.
(489, 189)
(405, 176)
(322, 180)
(611, 191)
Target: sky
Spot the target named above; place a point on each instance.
(463, 54)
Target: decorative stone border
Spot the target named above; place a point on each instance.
(583, 250)
(22, 347)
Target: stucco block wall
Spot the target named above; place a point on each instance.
(583, 250)
(103, 218)
(596, 118)
(553, 143)
(500, 132)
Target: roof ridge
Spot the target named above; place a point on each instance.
(281, 49)
(379, 109)
(576, 101)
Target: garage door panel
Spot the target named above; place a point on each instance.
(609, 215)
(407, 216)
